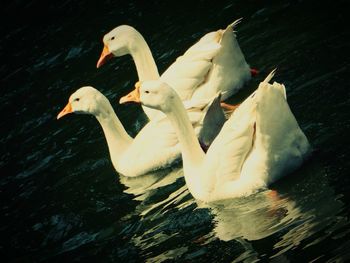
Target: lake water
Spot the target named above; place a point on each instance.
(61, 199)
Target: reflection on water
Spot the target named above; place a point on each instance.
(141, 186)
(63, 201)
(252, 218)
(298, 215)
(289, 214)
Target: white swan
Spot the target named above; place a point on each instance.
(260, 143)
(156, 145)
(215, 63)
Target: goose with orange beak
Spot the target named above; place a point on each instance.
(258, 145)
(214, 64)
(156, 145)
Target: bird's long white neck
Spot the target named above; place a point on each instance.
(116, 136)
(145, 65)
(192, 153)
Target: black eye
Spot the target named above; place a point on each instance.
(112, 38)
(76, 99)
(147, 91)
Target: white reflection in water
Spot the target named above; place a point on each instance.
(294, 215)
(251, 218)
(294, 211)
(143, 186)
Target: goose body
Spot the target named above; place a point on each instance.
(259, 144)
(156, 145)
(215, 63)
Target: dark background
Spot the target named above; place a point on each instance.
(61, 198)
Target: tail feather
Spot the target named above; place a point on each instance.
(270, 76)
(234, 23)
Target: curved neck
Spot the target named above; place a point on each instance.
(117, 138)
(145, 65)
(192, 153)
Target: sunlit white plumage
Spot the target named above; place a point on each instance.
(260, 143)
(156, 145)
(215, 63)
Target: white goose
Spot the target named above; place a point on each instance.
(215, 63)
(260, 143)
(156, 145)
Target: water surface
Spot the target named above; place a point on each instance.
(61, 198)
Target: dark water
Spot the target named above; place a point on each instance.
(61, 198)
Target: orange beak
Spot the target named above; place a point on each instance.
(229, 107)
(105, 55)
(65, 111)
(133, 96)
